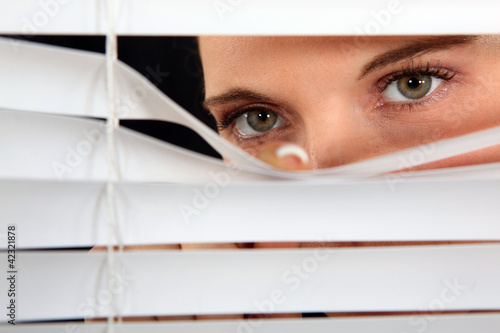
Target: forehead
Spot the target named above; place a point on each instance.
(239, 48)
(230, 61)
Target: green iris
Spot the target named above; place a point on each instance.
(415, 86)
(261, 121)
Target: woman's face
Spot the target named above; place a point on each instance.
(344, 99)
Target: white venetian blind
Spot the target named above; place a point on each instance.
(124, 188)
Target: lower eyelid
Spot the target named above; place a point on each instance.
(280, 119)
(447, 86)
(249, 142)
(437, 95)
(262, 134)
(229, 117)
(437, 83)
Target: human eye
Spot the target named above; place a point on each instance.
(410, 86)
(252, 120)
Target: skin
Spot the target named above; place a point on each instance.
(327, 91)
(336, 114)
(335, 111)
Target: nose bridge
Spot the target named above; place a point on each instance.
(332, 135)
(322, 143)
(324, 95)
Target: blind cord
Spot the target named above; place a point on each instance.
(112, 123)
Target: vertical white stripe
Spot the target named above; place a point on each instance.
(112, 123)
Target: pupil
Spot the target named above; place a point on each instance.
(415, 87)
(414, 83)
(261, 120)
(263, 116)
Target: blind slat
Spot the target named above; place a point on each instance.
(72, 284)
(72, 214)
(471, 323)
(69, 82)
(48, 147)
(65, 68)
(257, 17)
(449, 278)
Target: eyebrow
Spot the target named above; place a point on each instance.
(234, 95)
(418, 47)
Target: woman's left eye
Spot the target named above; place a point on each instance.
(411, 87)
(258, 121)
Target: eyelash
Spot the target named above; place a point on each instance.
(436, 72)
(229, 116)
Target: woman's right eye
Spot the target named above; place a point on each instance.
(257, 121)
(412, 87)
